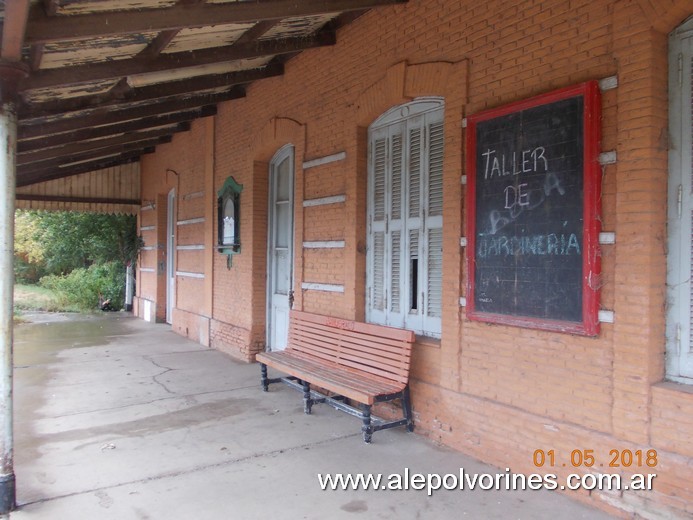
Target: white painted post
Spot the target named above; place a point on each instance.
(129, 286)
(10, 75)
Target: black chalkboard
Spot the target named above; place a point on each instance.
(527, 189)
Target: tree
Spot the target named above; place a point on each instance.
(82, 256)
(62, 241)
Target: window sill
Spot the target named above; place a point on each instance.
(672, 386)
(426, 341)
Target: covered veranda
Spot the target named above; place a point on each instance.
(117, 418)
(88, 87)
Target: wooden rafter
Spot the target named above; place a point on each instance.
(35, 56)
(66, 128)
(99, 164)
(151, 92)
(106, 118)
(158, 44)
(256, 31)
(51, 7)
(90, 155)
(60, 77)
(77, 147)
(44, 28)
(182, 118)
(81, 200)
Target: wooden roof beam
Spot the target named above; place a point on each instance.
(45, 28)
(80, 200)
(81, 134)
(90, 155)
(158, 44)
(99, 164)
(256, 31)
(35, 56)
(151, 92)
(41, 129)
(77, 147)
(61, 77)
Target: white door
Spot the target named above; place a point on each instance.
(680, 245)
(170, 255)
(280, 248)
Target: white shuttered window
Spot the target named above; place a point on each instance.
(680, 241)
(405, 217)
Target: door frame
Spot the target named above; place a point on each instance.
(286, 151)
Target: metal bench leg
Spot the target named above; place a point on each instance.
(367, 429)
(307, 401)
(263, 377)
(406, 409)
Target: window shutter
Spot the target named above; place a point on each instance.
(434, 284)
(376, 272)
(395, 279)
(404, 260)
(396, 189)
(434, 224)
(414, 178)
(396, 167)
(435, 169)
(379, 172)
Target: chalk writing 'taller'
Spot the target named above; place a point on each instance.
(526, 161)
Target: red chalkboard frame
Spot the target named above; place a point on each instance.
(591, 257)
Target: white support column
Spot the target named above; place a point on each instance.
(10, 75)
(129, 287)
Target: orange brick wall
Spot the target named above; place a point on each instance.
(496, 392)
(185, 170)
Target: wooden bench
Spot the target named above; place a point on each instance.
(361, 362)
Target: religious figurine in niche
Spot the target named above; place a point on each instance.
(229, 218)
(229, 234)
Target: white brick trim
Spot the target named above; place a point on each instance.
(324, 160)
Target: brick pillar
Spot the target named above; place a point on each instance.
(641, 180)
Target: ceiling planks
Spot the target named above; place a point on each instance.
(109, 117)
(43, 28)
(78, 147)
(81, 133)
(119, 77)
(50, 174)
(128, 94)
(50, 78)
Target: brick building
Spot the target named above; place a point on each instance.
(319, 152)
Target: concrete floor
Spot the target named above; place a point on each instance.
(116, 418)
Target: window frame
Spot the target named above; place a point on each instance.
(423, 114)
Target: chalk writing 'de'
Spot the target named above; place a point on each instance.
(521, 198)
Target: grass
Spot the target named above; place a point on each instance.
(35, 298)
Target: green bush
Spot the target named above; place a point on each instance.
(26, 272)
(82, 287)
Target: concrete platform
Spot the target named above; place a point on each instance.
(116, 418)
